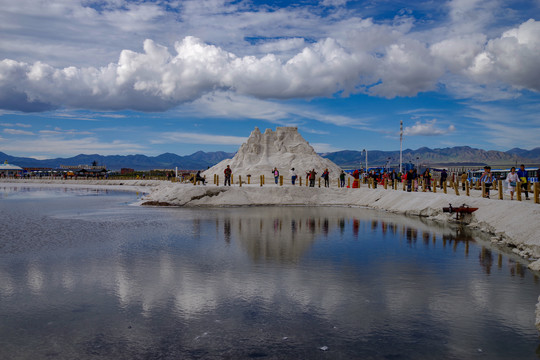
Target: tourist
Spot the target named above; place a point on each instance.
(228, 174)
(487, 179)
(198, 177)
(293, 174)
(356, 176)
(325, 176)
(463, 180)
(427, 179)
(410, 178)
(512, 178)
(342, 179)
(523, 177)
(444, 176)
(276, 174)
(312, 175)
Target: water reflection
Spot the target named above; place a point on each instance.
(234, 283)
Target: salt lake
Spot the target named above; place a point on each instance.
(85, 274)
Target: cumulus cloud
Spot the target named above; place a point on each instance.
(346, 55)
(427, 129)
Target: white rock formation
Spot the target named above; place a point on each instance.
(284, 148)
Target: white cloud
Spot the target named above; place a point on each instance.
(16, 125)
(17, 132)
(53, 146)
(322, 148)
(295, 53)
(197, 138)
(427, 129)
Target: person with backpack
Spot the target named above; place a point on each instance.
(325, 176)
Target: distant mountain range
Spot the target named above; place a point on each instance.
(454, 156)
(198, 160)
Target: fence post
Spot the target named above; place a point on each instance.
(280, 180)
(300, 178)
(261, 180)
(249, 179)
(264, 180)
(483, 189)
(319, 182)
(240, 180)
(537, 192)
(518, 191)
(232, 179)
(444, 186)
(404, 184)
(348, 182)
(500, 188)
(385, 184)
(467, 188)
(217, 180)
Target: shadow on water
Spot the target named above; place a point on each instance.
(89, 277)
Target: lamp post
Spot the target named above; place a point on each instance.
(366, 160)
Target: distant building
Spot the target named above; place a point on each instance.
(10, 170)
(126, 171)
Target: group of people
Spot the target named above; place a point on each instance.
(512, 179)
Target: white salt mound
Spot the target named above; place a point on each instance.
(284, 148)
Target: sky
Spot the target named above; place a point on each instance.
(121, 77)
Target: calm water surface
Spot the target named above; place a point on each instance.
(86, 275)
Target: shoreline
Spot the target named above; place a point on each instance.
(510, 223)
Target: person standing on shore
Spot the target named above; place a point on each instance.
(512, 178)
(523, 177)
(228, 173)
(276, 174)
(326, 178)
(463, 179)
(444, 176)
(312, 175)
(342, 179)
(487, 179)
(293, 175)
(427, 179)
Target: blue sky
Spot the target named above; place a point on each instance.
(148, 77)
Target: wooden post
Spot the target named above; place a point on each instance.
(477, 186)
(537, 192)
(240, 180)
(249, 179)
(217, 180)
(404, 184)
(518, 191)
(232, 181)
(300, 178)
(319, 182)
(456, 187)
(385, 184)
(483, 189)
(280, 180)
(348, 182)
(424, 185)
(264, 182)
(261, 180)
(500, 188)
(444, 186)
(467, 188)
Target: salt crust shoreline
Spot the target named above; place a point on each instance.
(515, 224)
